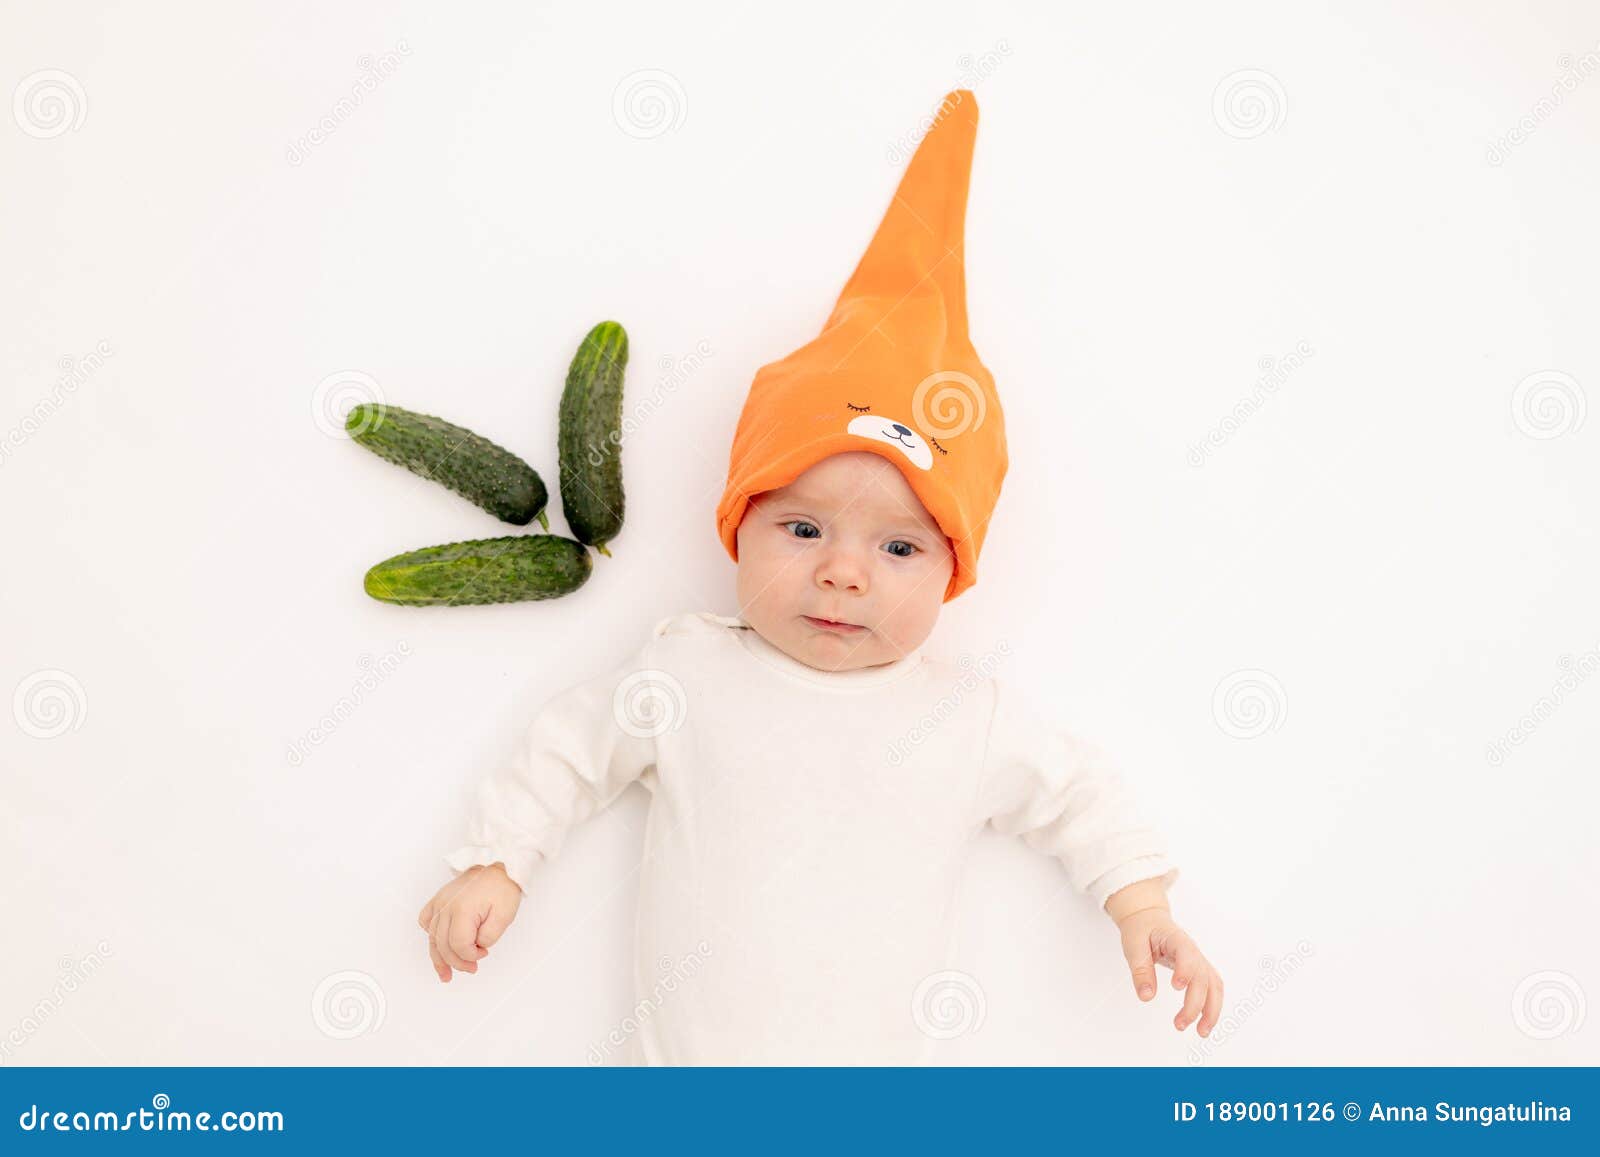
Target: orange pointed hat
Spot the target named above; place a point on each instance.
(893, 371)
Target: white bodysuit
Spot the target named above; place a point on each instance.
(806, 832)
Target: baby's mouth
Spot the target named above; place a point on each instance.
(833, 625)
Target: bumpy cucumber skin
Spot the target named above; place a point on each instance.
(512, 569)
(588, 445)
(471, 465)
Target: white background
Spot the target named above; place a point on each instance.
(1396, 546)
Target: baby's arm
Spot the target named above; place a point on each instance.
(1065, 798)
(582, 749)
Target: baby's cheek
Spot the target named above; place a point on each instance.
(916, 615)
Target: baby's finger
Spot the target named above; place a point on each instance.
(493, 927)
(1186, 962)
(1143, 970)
(1213, 1003)
(441, 941)
(1166, 944)
(462, 937)
(444, 936)
(439, 966)
(425, 917)
(1193, 1001)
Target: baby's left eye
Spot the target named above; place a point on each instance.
(911, 548)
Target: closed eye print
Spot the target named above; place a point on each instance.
(858, 409)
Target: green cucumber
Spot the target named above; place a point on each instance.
(485, 570)
(589, 444)
(471, 465)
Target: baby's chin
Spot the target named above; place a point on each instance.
(833, 650)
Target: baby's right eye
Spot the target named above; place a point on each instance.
(798, 522)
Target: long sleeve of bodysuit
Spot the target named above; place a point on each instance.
(1065, 798)
(583, 747)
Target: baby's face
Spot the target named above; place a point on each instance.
(847, 541)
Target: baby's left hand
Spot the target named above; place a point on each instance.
(1150, 937)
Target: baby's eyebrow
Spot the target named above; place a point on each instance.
(792, 497)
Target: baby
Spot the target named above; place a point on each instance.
(817, 777)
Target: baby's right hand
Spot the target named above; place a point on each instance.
(467, 915)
